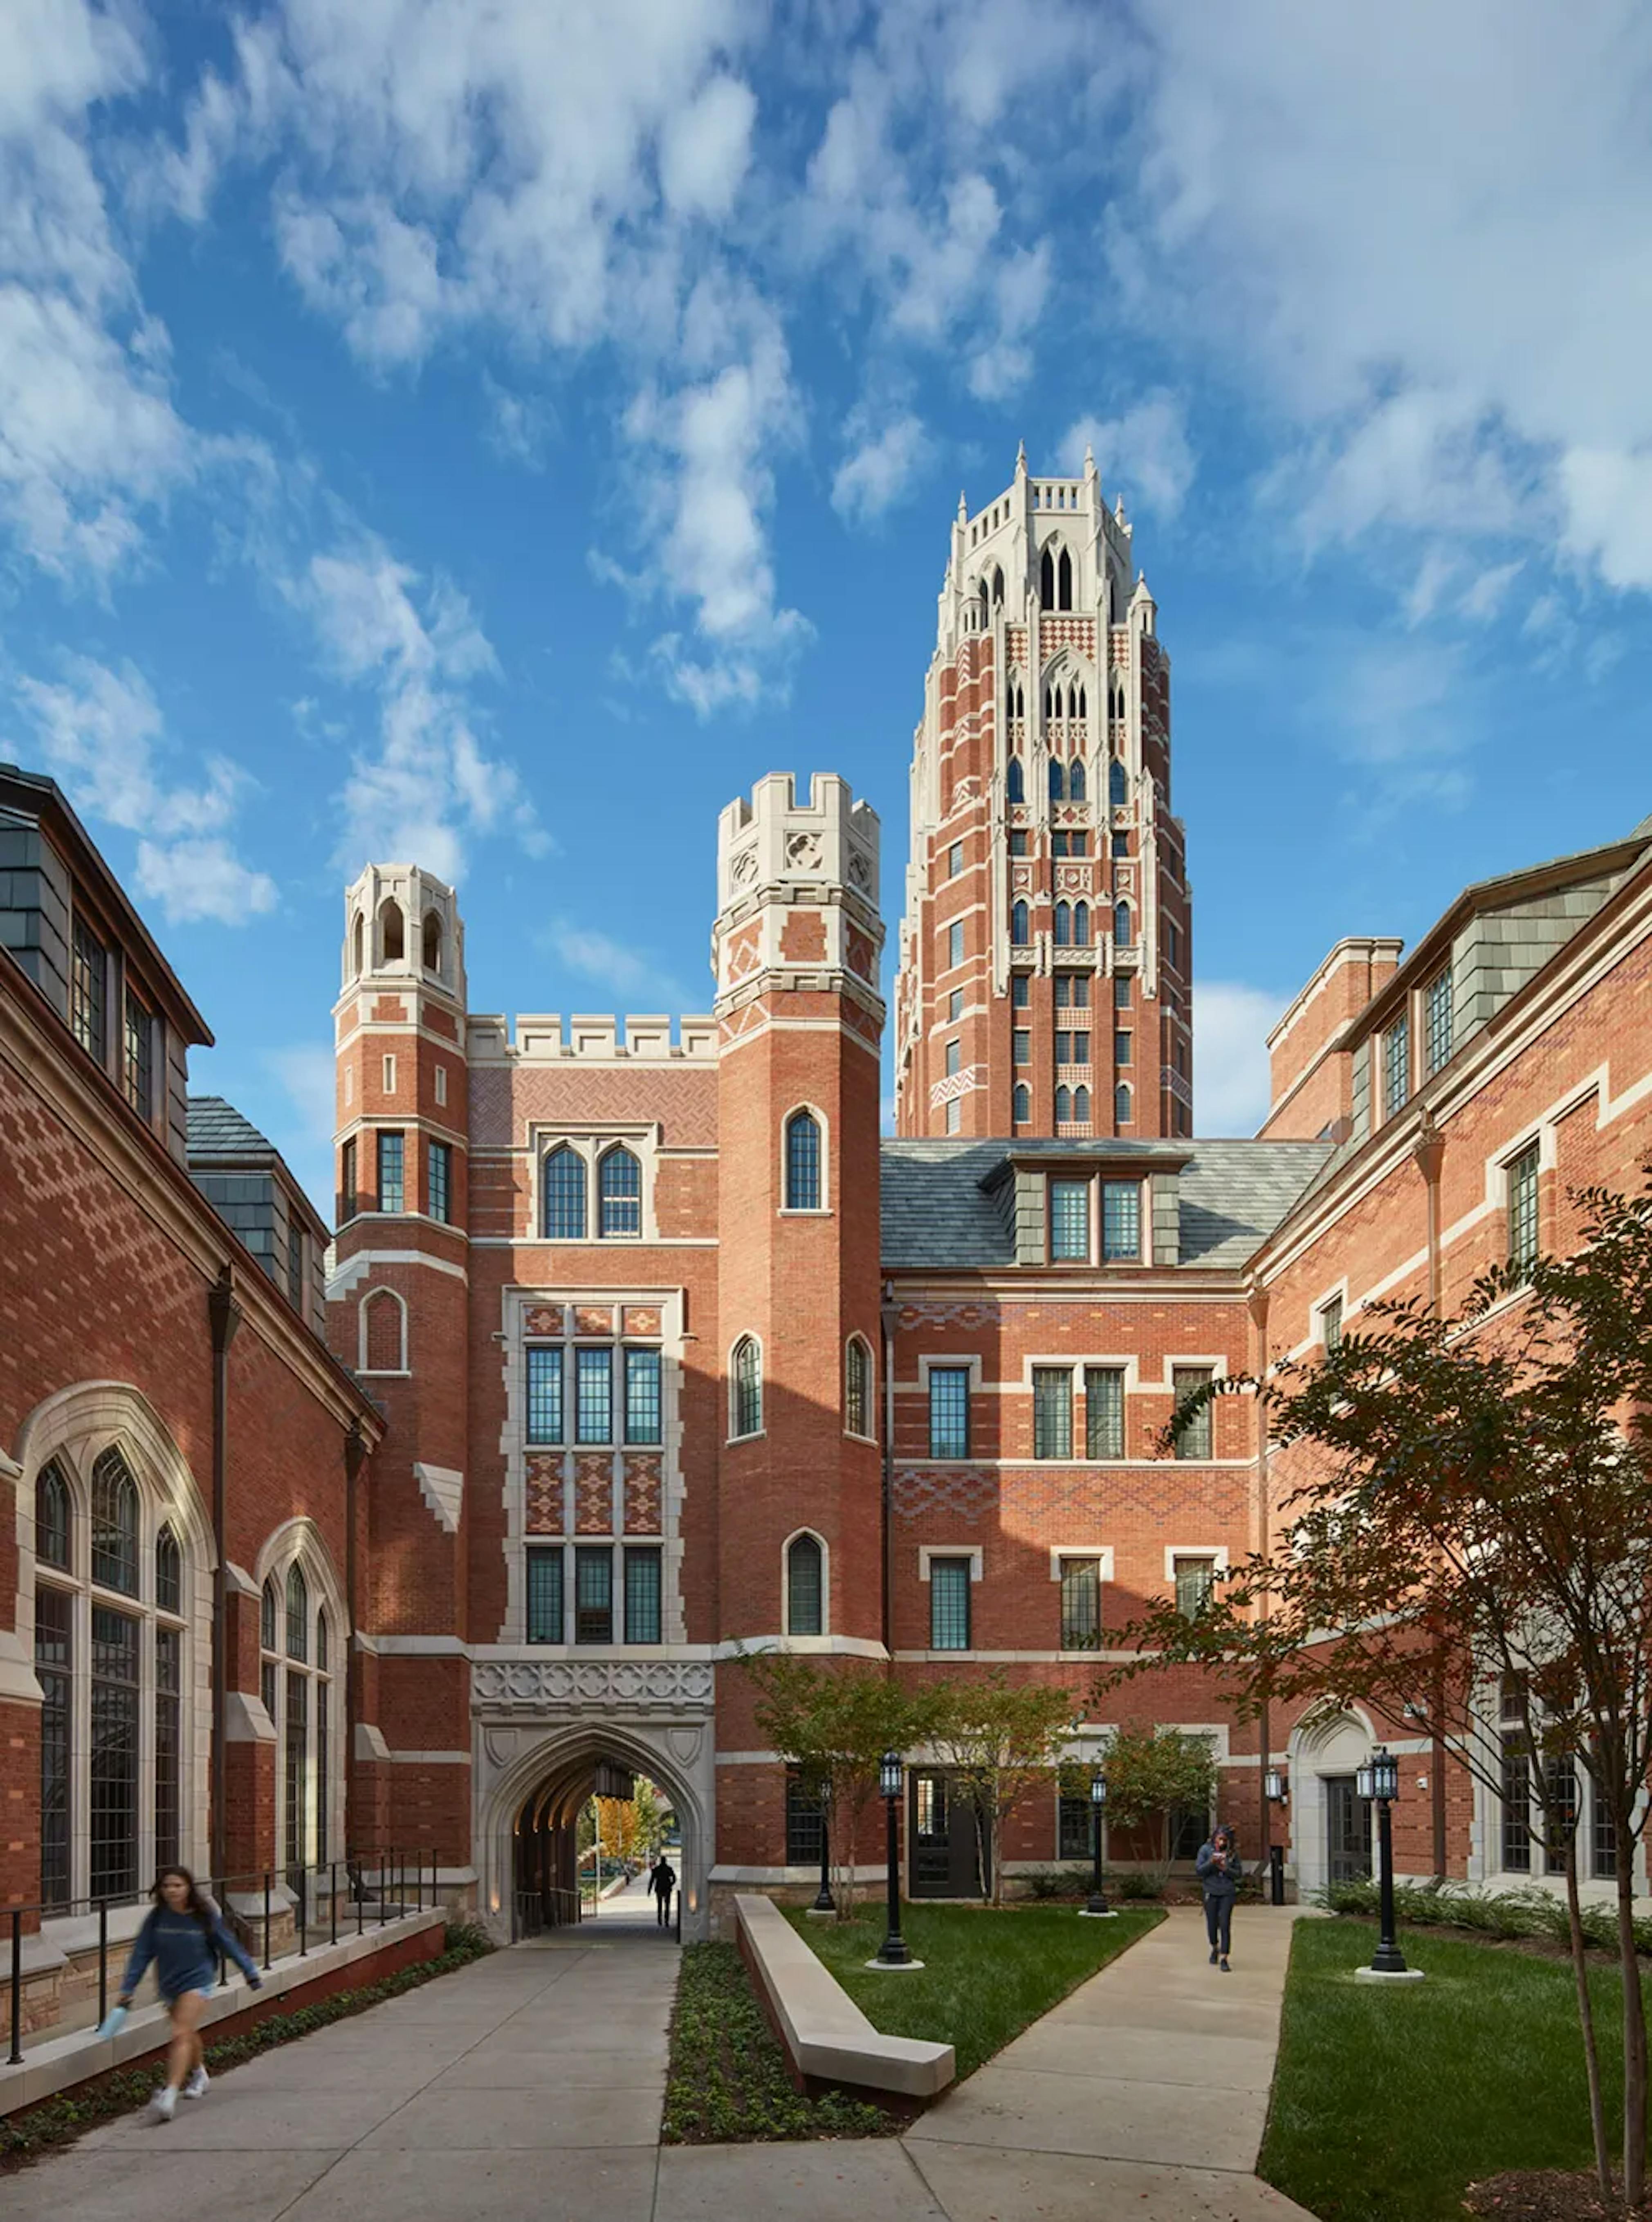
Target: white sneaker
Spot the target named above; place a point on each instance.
(163, 2106)
(196, 2087)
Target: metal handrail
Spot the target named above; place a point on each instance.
(390, 1866)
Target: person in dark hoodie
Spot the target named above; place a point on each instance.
(1219, 1870)
(184, 1937)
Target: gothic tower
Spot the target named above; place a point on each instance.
(397, 1314)
(1045, 952)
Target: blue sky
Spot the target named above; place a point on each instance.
(498, 433)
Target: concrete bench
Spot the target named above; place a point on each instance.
(828, 2037)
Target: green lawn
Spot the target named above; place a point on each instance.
(1389, 2099)
(987, 1973)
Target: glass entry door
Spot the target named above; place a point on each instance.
(1347, 1831)
(945, 1856)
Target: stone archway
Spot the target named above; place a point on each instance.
(543, 1726)
(1328, 1751)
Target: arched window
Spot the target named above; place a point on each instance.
(391, 932)
(564, 1194)
(1076, 784)
(114, 1524)
(1122, 1113)
(1058, 781)
(52, 1536)
(109, 1604)
(1083, 703)
(383, 1334)
(1081, 1105)
(358, 944)
(997, 585)
(1014, 782)
(1049, 706)
(1023, 1104)
(803, 1162)
(298, 1613)
(1064, 582)
(620, 1192)
(1063, 1105)
(267, 1616)
(1046, 581)
(432, 950)
(805, 1586)
(1063, 926)
(857, 1388)
(1081, 925)
(295, 1682)
(1121, 924)
(1018, 923)
(981, 603)
(1118, 787)
(746, 1369)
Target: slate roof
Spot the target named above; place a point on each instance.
(217, 1129)
(938, 1217)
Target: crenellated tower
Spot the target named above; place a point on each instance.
(397, 1314)
(1046, 949)
(800, 1022)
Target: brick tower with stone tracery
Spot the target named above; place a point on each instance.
(1045, 980)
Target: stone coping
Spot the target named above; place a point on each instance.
(828, 2036)
(57, 2063)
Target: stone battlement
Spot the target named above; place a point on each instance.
(594, 1040)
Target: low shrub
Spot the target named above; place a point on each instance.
(1523, 1911)
(1135, 1886)
(1057, 1882)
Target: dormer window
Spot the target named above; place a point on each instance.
(1121, 1222)
(1070, 1221)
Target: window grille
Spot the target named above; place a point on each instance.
(298, 1770)
(641, 1596)
(438, 1173)
(1120, 1219)
(619, 1185)
(593, 1594)
(748, 1387)
(89, 974)
(1436, 1021)
(1052, 1412)
(805, 1587)
(1517, 1805)
(949, 1604)
(1023, 1105)
(169, 1691)
(1104, 1412)
(294, 1261)
(1522, 1177)
(544, 1393)
(545, 1594)
(114, 1525)
(804, 1823)
(392, 1188)
(52, 1518)
(594, 1396)
(1194, 1580)
(347, 1192)
(53, 1664)
(1330, 1324)
(1069, 1221)
(1075, 1828)
(1396, 1066)
(139, 1061)
(298, 1613)
(1560, 1813)
(949, 1411)
(169, 1573)
(803, 1162)
(564, 1195)
(857, 1388)
(1021, 991)
(643, 1398)
(114, 1759)
(955, 945)
(1194, 1438)
(1081, 1604)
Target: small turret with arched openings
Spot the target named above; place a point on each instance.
(402, 924)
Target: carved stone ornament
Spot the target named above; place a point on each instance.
(1021, 876)
(550, 1685)
(803, 852)
(743, 870)
(860, 871)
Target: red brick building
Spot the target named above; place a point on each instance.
(662, 1351)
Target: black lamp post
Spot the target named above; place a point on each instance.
(1098, 1907)
(823, 1901)
(1378, 1783)
(1276, 1790)
(891, 1774)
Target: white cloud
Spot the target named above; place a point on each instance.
(1230, 1068)
(1144, 453)
(881, 468)
(628, 973)
(102, 737)
(307, 1074)
(518, 428)
(427, 785)
(1346, 213)
(706, 147)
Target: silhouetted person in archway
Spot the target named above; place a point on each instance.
(661, 1881)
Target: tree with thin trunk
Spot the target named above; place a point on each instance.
(1466, 1548)
(1002, 1741)
(833, 1720)
(1151, 1774)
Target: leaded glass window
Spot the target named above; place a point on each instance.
(544, 1392)
(949, 1604)
(54, 1665)
(392, 1189)
(1081, 1604)
(1195, 1440)
(1396, 1066)
(857, 1388)
(169, 1743)
(1436, 1021)
(298, 1769)
(1052, 1412)
(619, 1189)
(1070, 1220)
(802, 1163)
(267, 1616)
(642, 1595)
(1605, 1846)
(1194, 1579)
(748, 1387)
(643, 1412)
(805, 1823)
(1104, 1412)
(114, 1761)
(594, 1396)
(1075, 1827)
(140, 1058)
(1517, 1805)
(545, 1594)
(52, 1519)
(438, 1176)
(1330, 1325)
(805, 1587)
(298, 1613)
(114, 1525)
(594, 1594)
(1560, 1813)
(169, 1573)
(89, 974)
(1522, 1177)
(564, 1188)
(1121, 1217)
(949, 1411)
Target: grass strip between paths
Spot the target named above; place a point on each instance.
(34, 2130)
(987, 1971)
(1389, 2099)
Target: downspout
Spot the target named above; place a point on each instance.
(887, 1323)
(224, 1317)
(1430, 1150)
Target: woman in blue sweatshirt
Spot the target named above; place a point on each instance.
(184, 1937)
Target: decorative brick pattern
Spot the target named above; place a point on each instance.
(544, 1493)
(593, 1493)
(644, 1484)
(593, 1319)
(640, 1322)
(803, 937)
(968, 1493)
(543, 1319)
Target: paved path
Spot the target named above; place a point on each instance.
(528, 2088)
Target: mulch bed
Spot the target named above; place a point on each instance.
(1546, 2194)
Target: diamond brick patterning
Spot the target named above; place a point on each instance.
(593, 1319)
(642, 1320)
(642, 1491)
(543, 1319)
(863, 957)
(544, 1493)
(593, 1494)
(919, 1492)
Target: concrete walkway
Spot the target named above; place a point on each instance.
(528, 2088)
